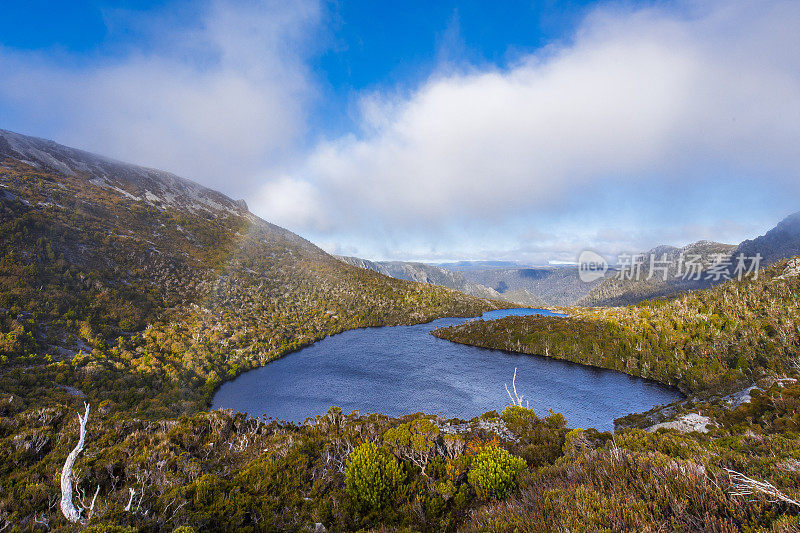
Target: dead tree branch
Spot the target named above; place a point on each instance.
(67, 507)
(516, 399)
(747, 486)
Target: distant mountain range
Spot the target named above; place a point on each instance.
(557, 285)
(531, 286)
(560, 285)
(615, 291)
(461, 266)
(435, 275)
(781, 242)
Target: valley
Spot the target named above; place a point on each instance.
(396, 267)
(141, 294)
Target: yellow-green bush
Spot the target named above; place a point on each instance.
(516, 416)
(413, 441)
(494, 471)
(372, 476)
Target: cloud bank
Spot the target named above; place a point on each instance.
(648, 125)
(685, 100)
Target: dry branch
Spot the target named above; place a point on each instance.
(67, 507)
(747, 486)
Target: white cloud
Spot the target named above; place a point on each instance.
(645, 96)
(689, 112)
(292, 203)
(217, 98)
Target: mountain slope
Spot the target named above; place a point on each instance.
(781, 242)
(552, 285)
(148, 290)
(615, 291)
(153, 187)
(424, 273)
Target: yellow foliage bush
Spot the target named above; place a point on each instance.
(494, 471)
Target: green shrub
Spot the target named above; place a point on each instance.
(414, 441)
(555, 419)
(372, 476)
(494, 471)
(515, 414)
(418, 435)
(575, 442)
(110, 528)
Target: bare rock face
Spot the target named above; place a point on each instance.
(741, 397)
(685, 424)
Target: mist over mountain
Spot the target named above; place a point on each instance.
(460, 266)
(155, 187)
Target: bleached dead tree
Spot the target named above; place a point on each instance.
(71, 513)
(516, 399)
(747, 486)
(130, 502)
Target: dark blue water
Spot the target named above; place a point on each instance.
(403, 369)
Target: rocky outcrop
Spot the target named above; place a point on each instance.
(792, 269)
(685, 424)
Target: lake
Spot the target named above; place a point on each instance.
(398, 370)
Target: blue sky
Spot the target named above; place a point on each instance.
(435, 130)
(377, 45)
(364, 45)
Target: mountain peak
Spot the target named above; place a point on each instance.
(780, 242)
